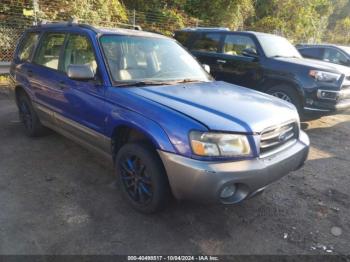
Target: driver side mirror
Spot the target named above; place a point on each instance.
(250, 52)
(206, 68)
(80, 72)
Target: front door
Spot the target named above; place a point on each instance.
(236, 67)
(85, 97)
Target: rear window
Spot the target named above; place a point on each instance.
(208, 42)
(28, 45)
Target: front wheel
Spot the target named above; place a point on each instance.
(287, 94)
(142, 177)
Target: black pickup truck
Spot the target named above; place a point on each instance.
(271, 64)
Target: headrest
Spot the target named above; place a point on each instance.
(128, 61)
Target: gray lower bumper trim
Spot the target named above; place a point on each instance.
(203, 180)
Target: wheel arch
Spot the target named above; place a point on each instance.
(126, 132)
(269, 84)
(18, 90)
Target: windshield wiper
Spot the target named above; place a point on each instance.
(142, 83)
(154, 83)
(187, 80)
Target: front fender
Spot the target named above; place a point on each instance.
(123, 117)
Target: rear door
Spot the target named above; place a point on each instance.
(21, 66)
(206, 48)
(46, 76)
(234, 66)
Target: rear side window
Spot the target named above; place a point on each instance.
(27, 46)
(236, 44)
(182, 37)
(311, 52)
(79, 51)
(207, 42)
(49, 52)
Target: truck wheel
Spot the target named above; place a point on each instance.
(28, 117)
(287, 94)
(142, 177)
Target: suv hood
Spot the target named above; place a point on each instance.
(316, 64)
(222, 106)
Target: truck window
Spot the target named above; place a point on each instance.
(235, 44)
(28, 45)
(208, 42)
(182, 37)
(50, 49)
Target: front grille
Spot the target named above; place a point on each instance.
(273, 138)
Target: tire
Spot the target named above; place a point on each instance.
(142, 177)
(28, 116)
(288, 94)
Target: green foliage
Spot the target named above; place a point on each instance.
(341, 32)
(297, 19)
(96, 12)
(229, 13)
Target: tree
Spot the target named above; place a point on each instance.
(300, 20)
(229, 13)
(96, 12)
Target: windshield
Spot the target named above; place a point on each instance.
(276, 46)
(134, 59)
(346, 49)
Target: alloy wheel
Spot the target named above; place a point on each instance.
(282, 96)
(136, 181)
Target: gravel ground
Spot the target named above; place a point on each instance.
(58, 198)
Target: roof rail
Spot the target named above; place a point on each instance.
(207, 28)
(75, 22)
(135, 27)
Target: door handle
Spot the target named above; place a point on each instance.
(221, 61)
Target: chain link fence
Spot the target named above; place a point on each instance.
(17, 15)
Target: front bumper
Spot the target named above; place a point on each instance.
(203, 180)
(329, 101)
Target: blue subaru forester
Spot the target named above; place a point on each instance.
(141, 99)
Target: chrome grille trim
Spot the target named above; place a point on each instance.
(275, 138)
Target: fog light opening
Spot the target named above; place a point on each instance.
(228, 191)
(309, 101)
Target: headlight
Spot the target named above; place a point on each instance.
(219, 144)
(324, 76)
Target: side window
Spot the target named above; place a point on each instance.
(49, 52)
(79, 51)
(27, 46)
(182, 37)
(334, 56)
(315, 53)
(207, 42)
(235, 44)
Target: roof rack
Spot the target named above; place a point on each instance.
(135, 27)
(207, 28)
(75, 22)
